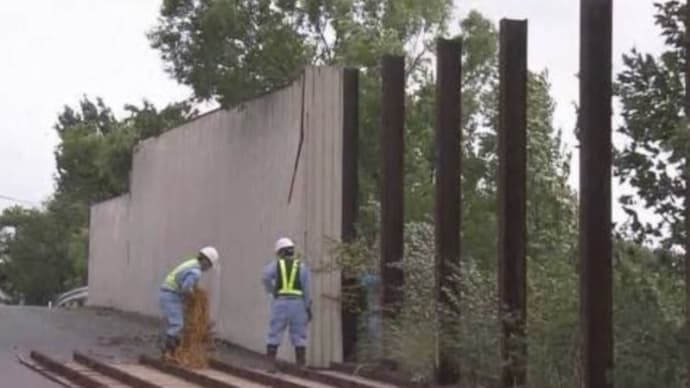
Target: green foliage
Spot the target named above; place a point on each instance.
(95, 151)
(46, 253)
(231, 50)
(651, 91)
(649, 314)
(36, 263)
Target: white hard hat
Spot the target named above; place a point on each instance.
(283, 243)
(211, 254)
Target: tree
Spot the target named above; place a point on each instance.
(44, 251)
(651, 91)
(94, 155)
(37, 266)
(231, 50)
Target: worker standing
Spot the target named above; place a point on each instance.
(287, 279)
(180, 282)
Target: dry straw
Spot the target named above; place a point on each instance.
(196, 335)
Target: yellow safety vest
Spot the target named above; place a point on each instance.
(170, 281)
(288, 284)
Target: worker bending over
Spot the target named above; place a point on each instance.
(287, 279)
(180, 282)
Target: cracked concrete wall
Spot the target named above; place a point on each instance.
(233, 179)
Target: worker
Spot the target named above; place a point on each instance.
(287, 279)
(371, 284)
(181, 281)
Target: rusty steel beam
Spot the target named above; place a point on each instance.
(112, 372)
(595, 242)
(254, 375)
(293, 370)
(184, 374)
(350, 189)
(65, 371)
(391, 144)
(447, 204)
(377, 375)
(687, 186)
(43, 372)
(512, 201)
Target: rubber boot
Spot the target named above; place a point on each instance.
(272, 353)
(171, 344)
(301, 356)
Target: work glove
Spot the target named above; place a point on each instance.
(309, 314)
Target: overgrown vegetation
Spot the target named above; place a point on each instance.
(228, 51)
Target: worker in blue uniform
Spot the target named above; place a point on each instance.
(287, 280)
(180, 282)
(371, 283)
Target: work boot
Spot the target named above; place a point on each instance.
(171, 344)
(272, 353)
(301, 356)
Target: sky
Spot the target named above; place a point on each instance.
(53, 53)
(56, 51)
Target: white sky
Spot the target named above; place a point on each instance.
(55, 51)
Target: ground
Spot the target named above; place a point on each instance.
(58, 332)
(103, 334)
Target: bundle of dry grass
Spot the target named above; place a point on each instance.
(196, 335)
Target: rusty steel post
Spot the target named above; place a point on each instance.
(349, 315)
(687, 185)
(186, 374)
(595, 245)
(288, 369)
(113, 372)
(391, 143)
(377, 375)
(271, 380)
(512, 201)
(447, 204)
(65, 371)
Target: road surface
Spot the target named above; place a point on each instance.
(57, 332)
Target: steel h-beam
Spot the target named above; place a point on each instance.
(595, 243)
(448, 202)
(350, 191)
(391, 143)
(687, 183)
(512, 201)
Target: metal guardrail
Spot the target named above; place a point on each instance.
(73, 295)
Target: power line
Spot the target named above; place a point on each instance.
(18, 200)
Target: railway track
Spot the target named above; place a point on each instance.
(88, 372)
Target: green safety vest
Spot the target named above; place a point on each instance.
(288, 283)
(170, 281)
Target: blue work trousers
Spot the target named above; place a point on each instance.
(172, 305)
(288, 313)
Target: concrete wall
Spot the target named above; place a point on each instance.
(225, 180)
(108, 244)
